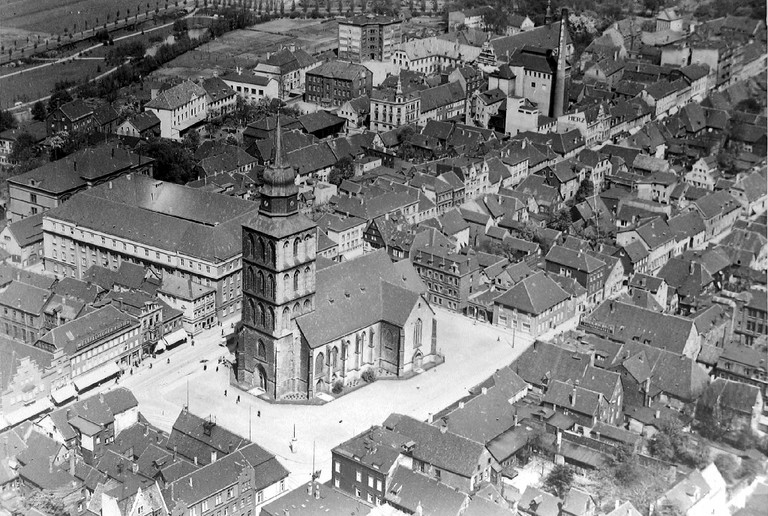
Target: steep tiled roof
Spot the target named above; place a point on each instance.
(533, 295)
(444, 450)
(574, 259)
(176, 97)
(356, 294)
(623, 322)
(176, 218)
(226, 471)
(439, 96)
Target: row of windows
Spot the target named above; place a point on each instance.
(265, 251)
(129, 248)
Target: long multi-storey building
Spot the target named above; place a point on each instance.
(368, 38)
(189, 233)
(336, 82)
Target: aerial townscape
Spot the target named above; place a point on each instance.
(383, 258)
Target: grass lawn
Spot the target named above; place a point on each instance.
(39, 83)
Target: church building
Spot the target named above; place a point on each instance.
(307, 323)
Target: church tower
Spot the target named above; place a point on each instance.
(279, 247)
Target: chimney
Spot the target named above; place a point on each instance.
(174, 452)
(430, 418)
(309, 488)
(613, 307)
(195, 460)
(72, 462)
(443, 428)
(690, 268)
(559, 439)
(573, 396)
(461, 404)
(657, 414)
(101, 397)
(317, 492)
(146, 430)
(485, 391)
(516, 420)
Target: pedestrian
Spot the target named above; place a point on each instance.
(258, 413)
(225, 393)
(217, 369)
(238, 399)
(168, 361)
(222, 332)
(205, 367)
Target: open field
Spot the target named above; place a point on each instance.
(53, 16)
(39, 83)
(244, 48)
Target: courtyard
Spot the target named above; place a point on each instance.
(193, 375)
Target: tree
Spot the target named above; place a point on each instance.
(625, 465)
(560, 220)
(6, 120)
(58, 98)
(191, 140)
(38, 111)
(293, 6)
(585, 191)
(174, 162)
(24, 148)
(559, 480)
(342, 170)
(750, 468)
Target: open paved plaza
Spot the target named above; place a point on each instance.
(472, 353)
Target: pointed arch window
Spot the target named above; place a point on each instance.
(296, 281)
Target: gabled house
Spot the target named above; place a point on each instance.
(179, 108)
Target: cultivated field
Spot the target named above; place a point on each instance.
(36, 84)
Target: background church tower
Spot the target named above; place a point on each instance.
(279, 247)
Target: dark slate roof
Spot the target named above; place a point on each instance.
(176, 218)
(217, 89)
(623, 322)
(190, 439)
(419, 494)
(439, 96)
(176, 97)
(357, 293)
(533, 295)
(573, 398)
(729, 394)
(26, 298)
(376, 447)
(70, 336)
(144, 121)
(75, 170)
(319, 120)
(444, 450)
(214, 477)
(574, 259)
(27, 231)
(76, 109)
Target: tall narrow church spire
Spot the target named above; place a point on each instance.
(279, 193)
(562, 65)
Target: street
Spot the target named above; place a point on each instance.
(472, 353)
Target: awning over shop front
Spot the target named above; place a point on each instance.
(175, 337)
(28, 412)
(63, 394)
(95, 376)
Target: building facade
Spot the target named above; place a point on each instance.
(368, 38)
